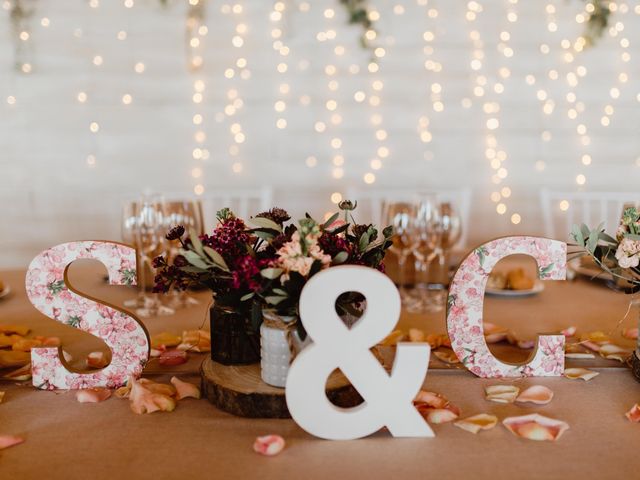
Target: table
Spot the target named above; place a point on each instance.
(65, 439)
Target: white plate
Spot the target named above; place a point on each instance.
(6, 291)
(538, 286)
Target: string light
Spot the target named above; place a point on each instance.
(282, 67)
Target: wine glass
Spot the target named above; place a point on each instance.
(425, 236)
(451, 232)
(399, 215)
(185, 213)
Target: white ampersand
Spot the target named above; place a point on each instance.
(387, 398)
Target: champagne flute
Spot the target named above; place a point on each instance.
(399, 215)
(150, 243)
(187, 214)
(425, 237)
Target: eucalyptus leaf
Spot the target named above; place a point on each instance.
(340, 257)
(576, 233)
(271, 273)
(217, 258)
(364, 241)
(592, 242)
(274, 300)
(246, 297)
(331, 219)
(195, 241)
(607, 238)
(194, 259)
(264, 235)
(263, 222)
(280, 291)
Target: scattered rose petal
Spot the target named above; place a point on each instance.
(268, 445)
(634, 414)
(393, 338)
(26, 344)
(165, 338)
(14, 358)
(430, 399)
(185, 389)
(67, 356)
(502, 393)
(123, 392)
(7, 441)
(92, 395)
(17, 329)
(478, 422)
(573, 350)
(447, 356)
(445, 341)
(441, 415)
(536, 427)
(538, 394)
(596, 337)
(157, 387)
(569, 331)
(614, 352)
(631, 333)
(416, 335)
(171, 358)
(579, 355)
(156, 352)
(48, 341)
(434, 340)
(97, 360)
(590, 345)
(580, 373)
(195, 341)
(494, 333)
(142, 400)
(19, 375)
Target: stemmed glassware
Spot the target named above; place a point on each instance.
(187, 213)
(400, 216)
(425, 234)
(451, 234)
(143, 225)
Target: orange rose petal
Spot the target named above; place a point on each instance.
(631, 333)
(97, 360)
(156, 387)
(171, 358)
(195, 341)
(501, 393)
(596, 337)
(393, 338)
(18, 329)
(416, 335)
(165, 338)
(445, 341)
(19, 375)
(142, 400)
(447, 356)
(580, 373)
(478, 422)
(268, 445)
(123, 392)
(14, 358)
(26, 344)
(633, 415)
(92, 395)
(434, 340)
(431, 399)
(536, 427)
(185, 389)
(7, 441)
(441, 415)
(538, 394)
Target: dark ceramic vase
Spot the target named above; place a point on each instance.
(233, 341)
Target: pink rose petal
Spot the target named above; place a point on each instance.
(501, 393)
(171, 358)
(441, 415)
(7, 441)
(580, 373)
(185, 389)
(97, 360)
(569, 331)
(92, 395)
(447, 356)
(478, 422)
(430, 399)
(631, 333)
(614, 352)
(634, 414)
(538, 394)
(268, 445)
(142, 400)
(536, 427)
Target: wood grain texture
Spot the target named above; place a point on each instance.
(239, 390)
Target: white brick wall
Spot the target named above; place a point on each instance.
(49, 195)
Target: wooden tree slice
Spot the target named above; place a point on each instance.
(238, 389)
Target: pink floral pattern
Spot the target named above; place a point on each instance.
(465, 304)
(50, 294)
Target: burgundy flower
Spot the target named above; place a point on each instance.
(333, 244)
(175, 233)
(277, 215)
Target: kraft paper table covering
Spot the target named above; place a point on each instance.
(65, 439)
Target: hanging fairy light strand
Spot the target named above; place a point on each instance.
(280, 106)
(196, 30)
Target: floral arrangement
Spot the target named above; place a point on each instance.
(619, 256)
(266, 267)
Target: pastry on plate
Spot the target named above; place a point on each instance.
(517, 279)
